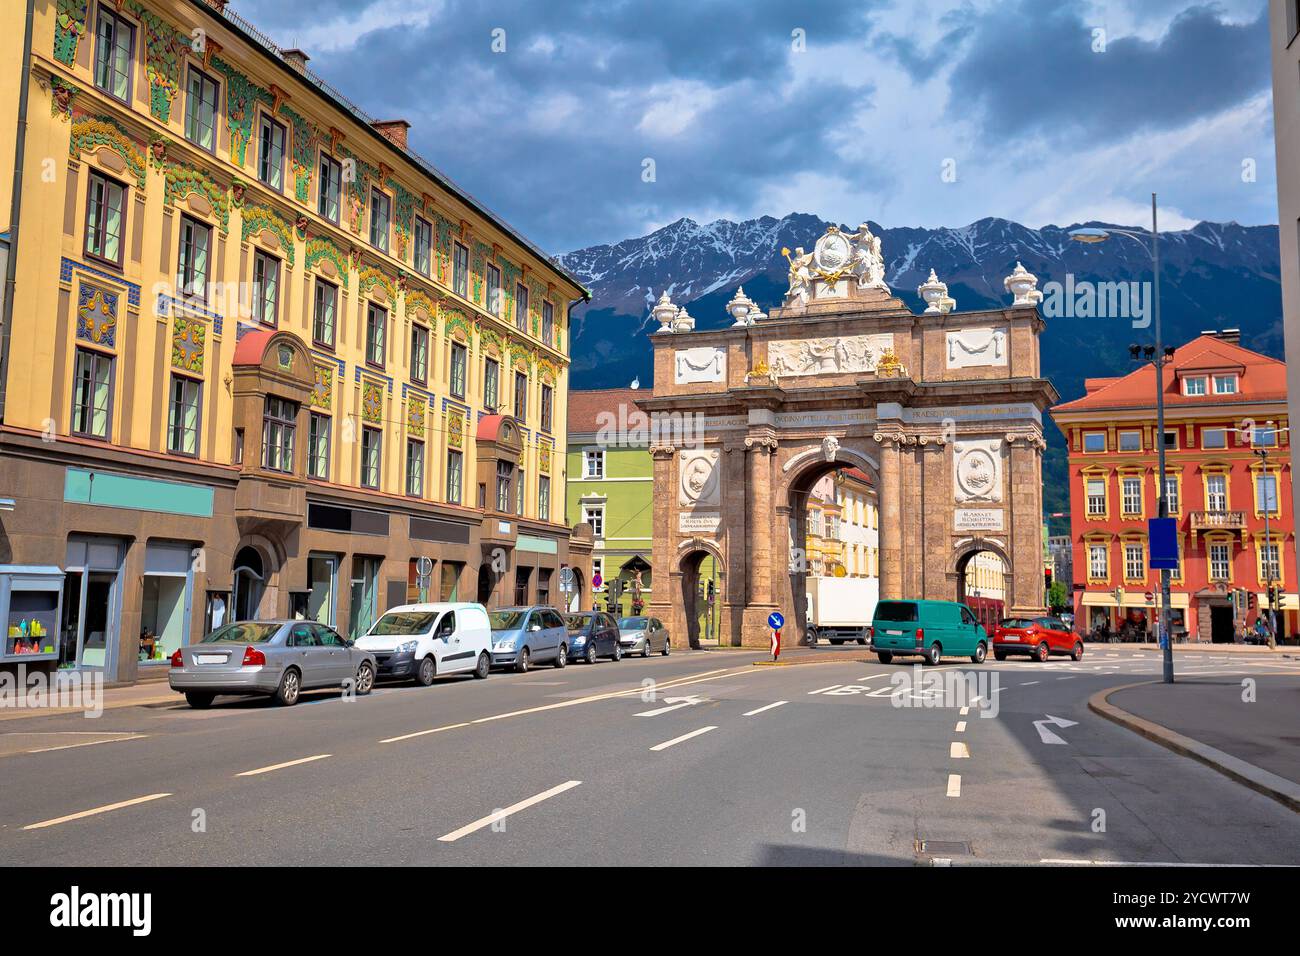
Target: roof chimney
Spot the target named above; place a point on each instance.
(296, 58)
(218, 5)
(393, 130)
(1232, 336)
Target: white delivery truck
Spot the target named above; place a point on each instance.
(840, 609)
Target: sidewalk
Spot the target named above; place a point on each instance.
(128, 695)
(1255, 743)
(1282, 650)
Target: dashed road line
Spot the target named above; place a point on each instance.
(90, 813)
(954, 785)
(281, 766)
(751, 713)
(677, 740)
(958, 751)
(496, 815)
(422, 733)
(961, 727)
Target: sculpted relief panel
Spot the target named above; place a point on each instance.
(976, 348)
(700, 480)
(854, 353)
(977, 470)
(704, 364)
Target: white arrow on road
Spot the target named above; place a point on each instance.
(1046, 735)
(676, 704)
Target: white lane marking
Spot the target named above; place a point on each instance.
(954, 785)
(961, 726)
(964, 711)
(674, 703)
(281, 766)
(677, 740)
(1028, 683)
(422, 733)
(1046, 735)
(1064, 862)
(822, 690)
(496, 815)
(91, 813)
(86, 743)
(958, 750)
(696, 679)
(869, 677)
(751, 713)
(1071, 677)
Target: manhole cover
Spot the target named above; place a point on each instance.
(943, 847)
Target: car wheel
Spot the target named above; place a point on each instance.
(665, 650)
(980, 653)
(999, 656)
(523, 661)
(484, 666)
(290, 687)
(645, 651)
(862, 641)
(426, 672)
(365, 679)
(932, 655)
(1076, 653)
(618, 651)
(1040, 653)
(589, 654)
(198, 699)
(884, 656)
(562, 658)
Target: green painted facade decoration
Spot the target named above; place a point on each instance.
(69, 28)
(257, 218)
(89, 133)
(183, 181)
(319, 248)
(242, 96)
(111, 490)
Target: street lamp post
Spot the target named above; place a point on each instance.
(1262, 452)
(1101, 235)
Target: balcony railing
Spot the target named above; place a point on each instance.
(1218, 520)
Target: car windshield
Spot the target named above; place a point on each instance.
(403, 623)
(895, 611)
(633, 624)
(577, 622)
(243, 632)
(507, 620)
(1016, 622)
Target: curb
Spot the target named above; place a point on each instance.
(1261, 781)
(820, 659)
(64, 711)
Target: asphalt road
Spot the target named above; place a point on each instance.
(695, 759)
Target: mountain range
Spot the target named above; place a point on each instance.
(1214, 275)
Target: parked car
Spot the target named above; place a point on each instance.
(1035, 637)
(421, 641)
(276, 658)
(930, 630)
(594, 634)
(522, 636)
(643, 635)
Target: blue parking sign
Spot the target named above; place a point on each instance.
(1162, 538)
(775, 621)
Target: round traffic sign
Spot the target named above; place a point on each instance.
(424, 566)
(775, 621)
(597, 580)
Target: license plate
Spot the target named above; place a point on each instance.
(895, 633)
(210, 658)
(1010, 637)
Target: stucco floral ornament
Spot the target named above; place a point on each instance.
(1023, 284)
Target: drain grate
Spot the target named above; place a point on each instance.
(943, 847)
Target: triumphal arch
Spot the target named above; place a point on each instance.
(942, 409)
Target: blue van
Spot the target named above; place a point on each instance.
(930, 630)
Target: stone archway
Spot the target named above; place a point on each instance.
(943, 409)
(684, 615)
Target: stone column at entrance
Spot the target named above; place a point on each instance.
(760, 600)
(1026, 544)
(665, 583)
(891, 517)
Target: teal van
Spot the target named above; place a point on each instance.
(927, 629)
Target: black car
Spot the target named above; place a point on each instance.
(593, 634)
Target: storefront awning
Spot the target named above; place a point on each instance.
(1131, 599)
(1289, 602)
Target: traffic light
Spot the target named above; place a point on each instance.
(1250, 600)
(1047, 577)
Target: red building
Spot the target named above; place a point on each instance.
(1224, 406)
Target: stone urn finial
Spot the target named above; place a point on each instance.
(1023, 284)
(685, 322)
(739, 307)
(935, 294)
(664, 312)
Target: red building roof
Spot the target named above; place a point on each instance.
(252, 346)
(585, 406)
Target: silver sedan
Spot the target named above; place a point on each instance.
(643, 635)
(280, 659)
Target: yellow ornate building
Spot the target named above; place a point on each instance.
(259, 357)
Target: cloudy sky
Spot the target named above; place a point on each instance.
(907, 112)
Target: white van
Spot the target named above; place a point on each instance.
(421, 641)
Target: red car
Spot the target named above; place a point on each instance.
(1036, 637)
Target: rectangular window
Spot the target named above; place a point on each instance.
(114, 44)
(331, 188)
(1096, 489)
(326, 305)
(1264, 436)
(1132, 488)
(521, 396)
(491, 383)
(192, 268)
(494, 295)
(419, 354)
(1220, 563)
(1214, 438)
(1216, 492)
(1171, 495)
(519, 493)
(266, 288)
(505, 472)
(548, 402)
(1097, 561)
(183, 416)
(372, 441)
(376, 327)
(1266, 492)
(279, 423)
(318, 447)
(1134, 565)
(544, 497)
(1094, 441)
(594, 463)
(415, 468)
(1130, 441)
(270, 153)
(1194, 385)
(457, 379)
(548, 323)
(460, 271)
(1270, 568)
(521, 307)
(455, 466)
(1225, 385)
(594, 515)
(201, 110)
(92, 394)
(423, 246)
(380, 215)
(105, 218)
